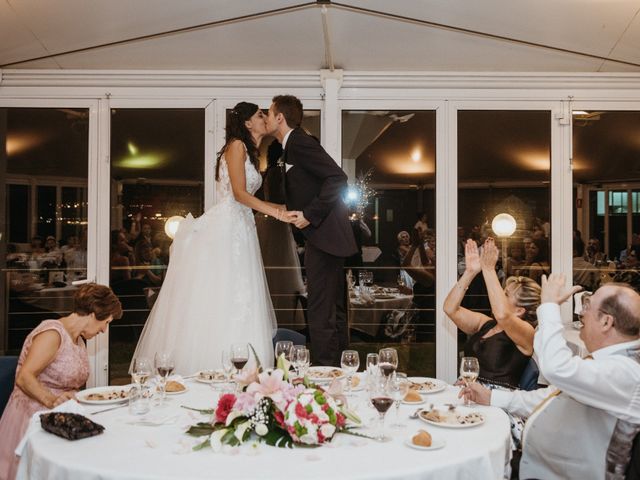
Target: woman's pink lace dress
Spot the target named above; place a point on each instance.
(69, 370)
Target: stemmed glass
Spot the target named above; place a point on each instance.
(381, 400)
(469, 371)
(300, 360)
(399, 389)
(227, 366)
(141, 371)
(350, 362)
(283, 346)
(164, 364)
(388, 361)
(239, 357)
(372, 368)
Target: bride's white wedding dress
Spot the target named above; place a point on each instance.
(215, 291)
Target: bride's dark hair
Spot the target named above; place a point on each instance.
(237, 130)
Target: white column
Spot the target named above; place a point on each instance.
(331, 119)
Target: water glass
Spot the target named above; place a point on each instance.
(227, 365)
(283, 346)
(300, 359)
(139, 400)
(350, 362)
(399, 389)
(141, 370)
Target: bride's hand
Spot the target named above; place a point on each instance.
(289, 216)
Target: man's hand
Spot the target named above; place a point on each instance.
(476, 393)
(300, 221)
(554, 289)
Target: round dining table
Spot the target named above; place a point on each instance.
(155, 447)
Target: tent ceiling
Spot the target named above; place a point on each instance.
(292, 38)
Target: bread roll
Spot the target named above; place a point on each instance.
(412, 396)
(422, 438)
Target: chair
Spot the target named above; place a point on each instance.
(529, 378)
(8, 367)
(291, 335)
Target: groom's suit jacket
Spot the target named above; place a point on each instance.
(315, 185)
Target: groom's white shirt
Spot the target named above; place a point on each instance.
(284, 145)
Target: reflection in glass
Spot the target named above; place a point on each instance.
(504, 160)
(389, 158)
(157, 171)
(43, 170)
(606, 182)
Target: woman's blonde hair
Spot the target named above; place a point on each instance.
(527, 295)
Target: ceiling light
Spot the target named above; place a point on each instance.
(133, 150)
(580, 112)
(416, 155)
(171, 226)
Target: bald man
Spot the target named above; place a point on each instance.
(583, 425)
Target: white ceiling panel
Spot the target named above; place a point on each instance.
(16, 41)
(592, 26)
(261, 44)
(628, 47)
(401, 46)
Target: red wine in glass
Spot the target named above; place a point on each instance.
(387, 369)
(382, 404)
(165, 371)
(239, 363)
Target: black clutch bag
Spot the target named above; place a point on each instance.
(69, 425)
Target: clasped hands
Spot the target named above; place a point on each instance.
(293, 216)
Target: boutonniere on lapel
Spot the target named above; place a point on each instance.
(280, 162)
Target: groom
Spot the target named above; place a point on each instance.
(314, 188)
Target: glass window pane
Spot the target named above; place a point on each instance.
(45, 151)
(504, 160)
(157, 171)
(605, 151)
(389, 158)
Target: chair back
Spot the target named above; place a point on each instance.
(283, 334)
(8, 366)
(633, 470)
(529, 378)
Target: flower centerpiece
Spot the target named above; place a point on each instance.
(275, 410)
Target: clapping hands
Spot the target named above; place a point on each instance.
(489, 255)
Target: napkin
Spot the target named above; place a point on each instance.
(70, 406)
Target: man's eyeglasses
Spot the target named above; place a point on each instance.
(586, 306)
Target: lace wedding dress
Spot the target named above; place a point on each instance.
(215, 291)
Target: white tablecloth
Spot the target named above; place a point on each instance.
(367, 317)
(125, 451)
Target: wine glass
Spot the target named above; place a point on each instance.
(388, 361)
(350, 362)
(380, 398)
(164, 364)
(283, 346)
(351, 279)
(399, 389)
(141, 371)
(227, 365)
(299, 358)
(469, 371)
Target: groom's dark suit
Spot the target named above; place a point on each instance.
(315, 185)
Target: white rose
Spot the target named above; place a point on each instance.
(261, 429)
(327, 430)
(309, 438)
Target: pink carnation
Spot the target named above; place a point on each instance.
(225, 405)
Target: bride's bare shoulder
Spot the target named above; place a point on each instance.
(235, 149)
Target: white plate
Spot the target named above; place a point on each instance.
(360, 385)
(439, 384)
(459, 410)
(198, 378)
(313, 372)
(436, 443)
(82, 396)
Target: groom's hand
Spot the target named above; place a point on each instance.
(300, 221)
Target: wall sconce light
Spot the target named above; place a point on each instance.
(171, 226)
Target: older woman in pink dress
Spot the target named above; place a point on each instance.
(53, 365)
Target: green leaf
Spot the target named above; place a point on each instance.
(202, 445)
(201, 429)
(255, 355)
(278, 438)
(204, 411)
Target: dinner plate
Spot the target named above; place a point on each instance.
(448, 422)
(323, 374)
(439, 385)
(82, 396)
(436, 443)
(219, 377)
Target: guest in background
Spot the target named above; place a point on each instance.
(583, 425)
(404, 245)
(503, 344)
(516, 262)
(594, 254)
(148, 268)
(54, 365)
(423, 276)
(121, 260)
(584, 273)
(421, 224)
(538, 259)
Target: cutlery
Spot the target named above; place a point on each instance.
(415, 414)
(110, 408)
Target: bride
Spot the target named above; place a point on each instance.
(215, 291)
